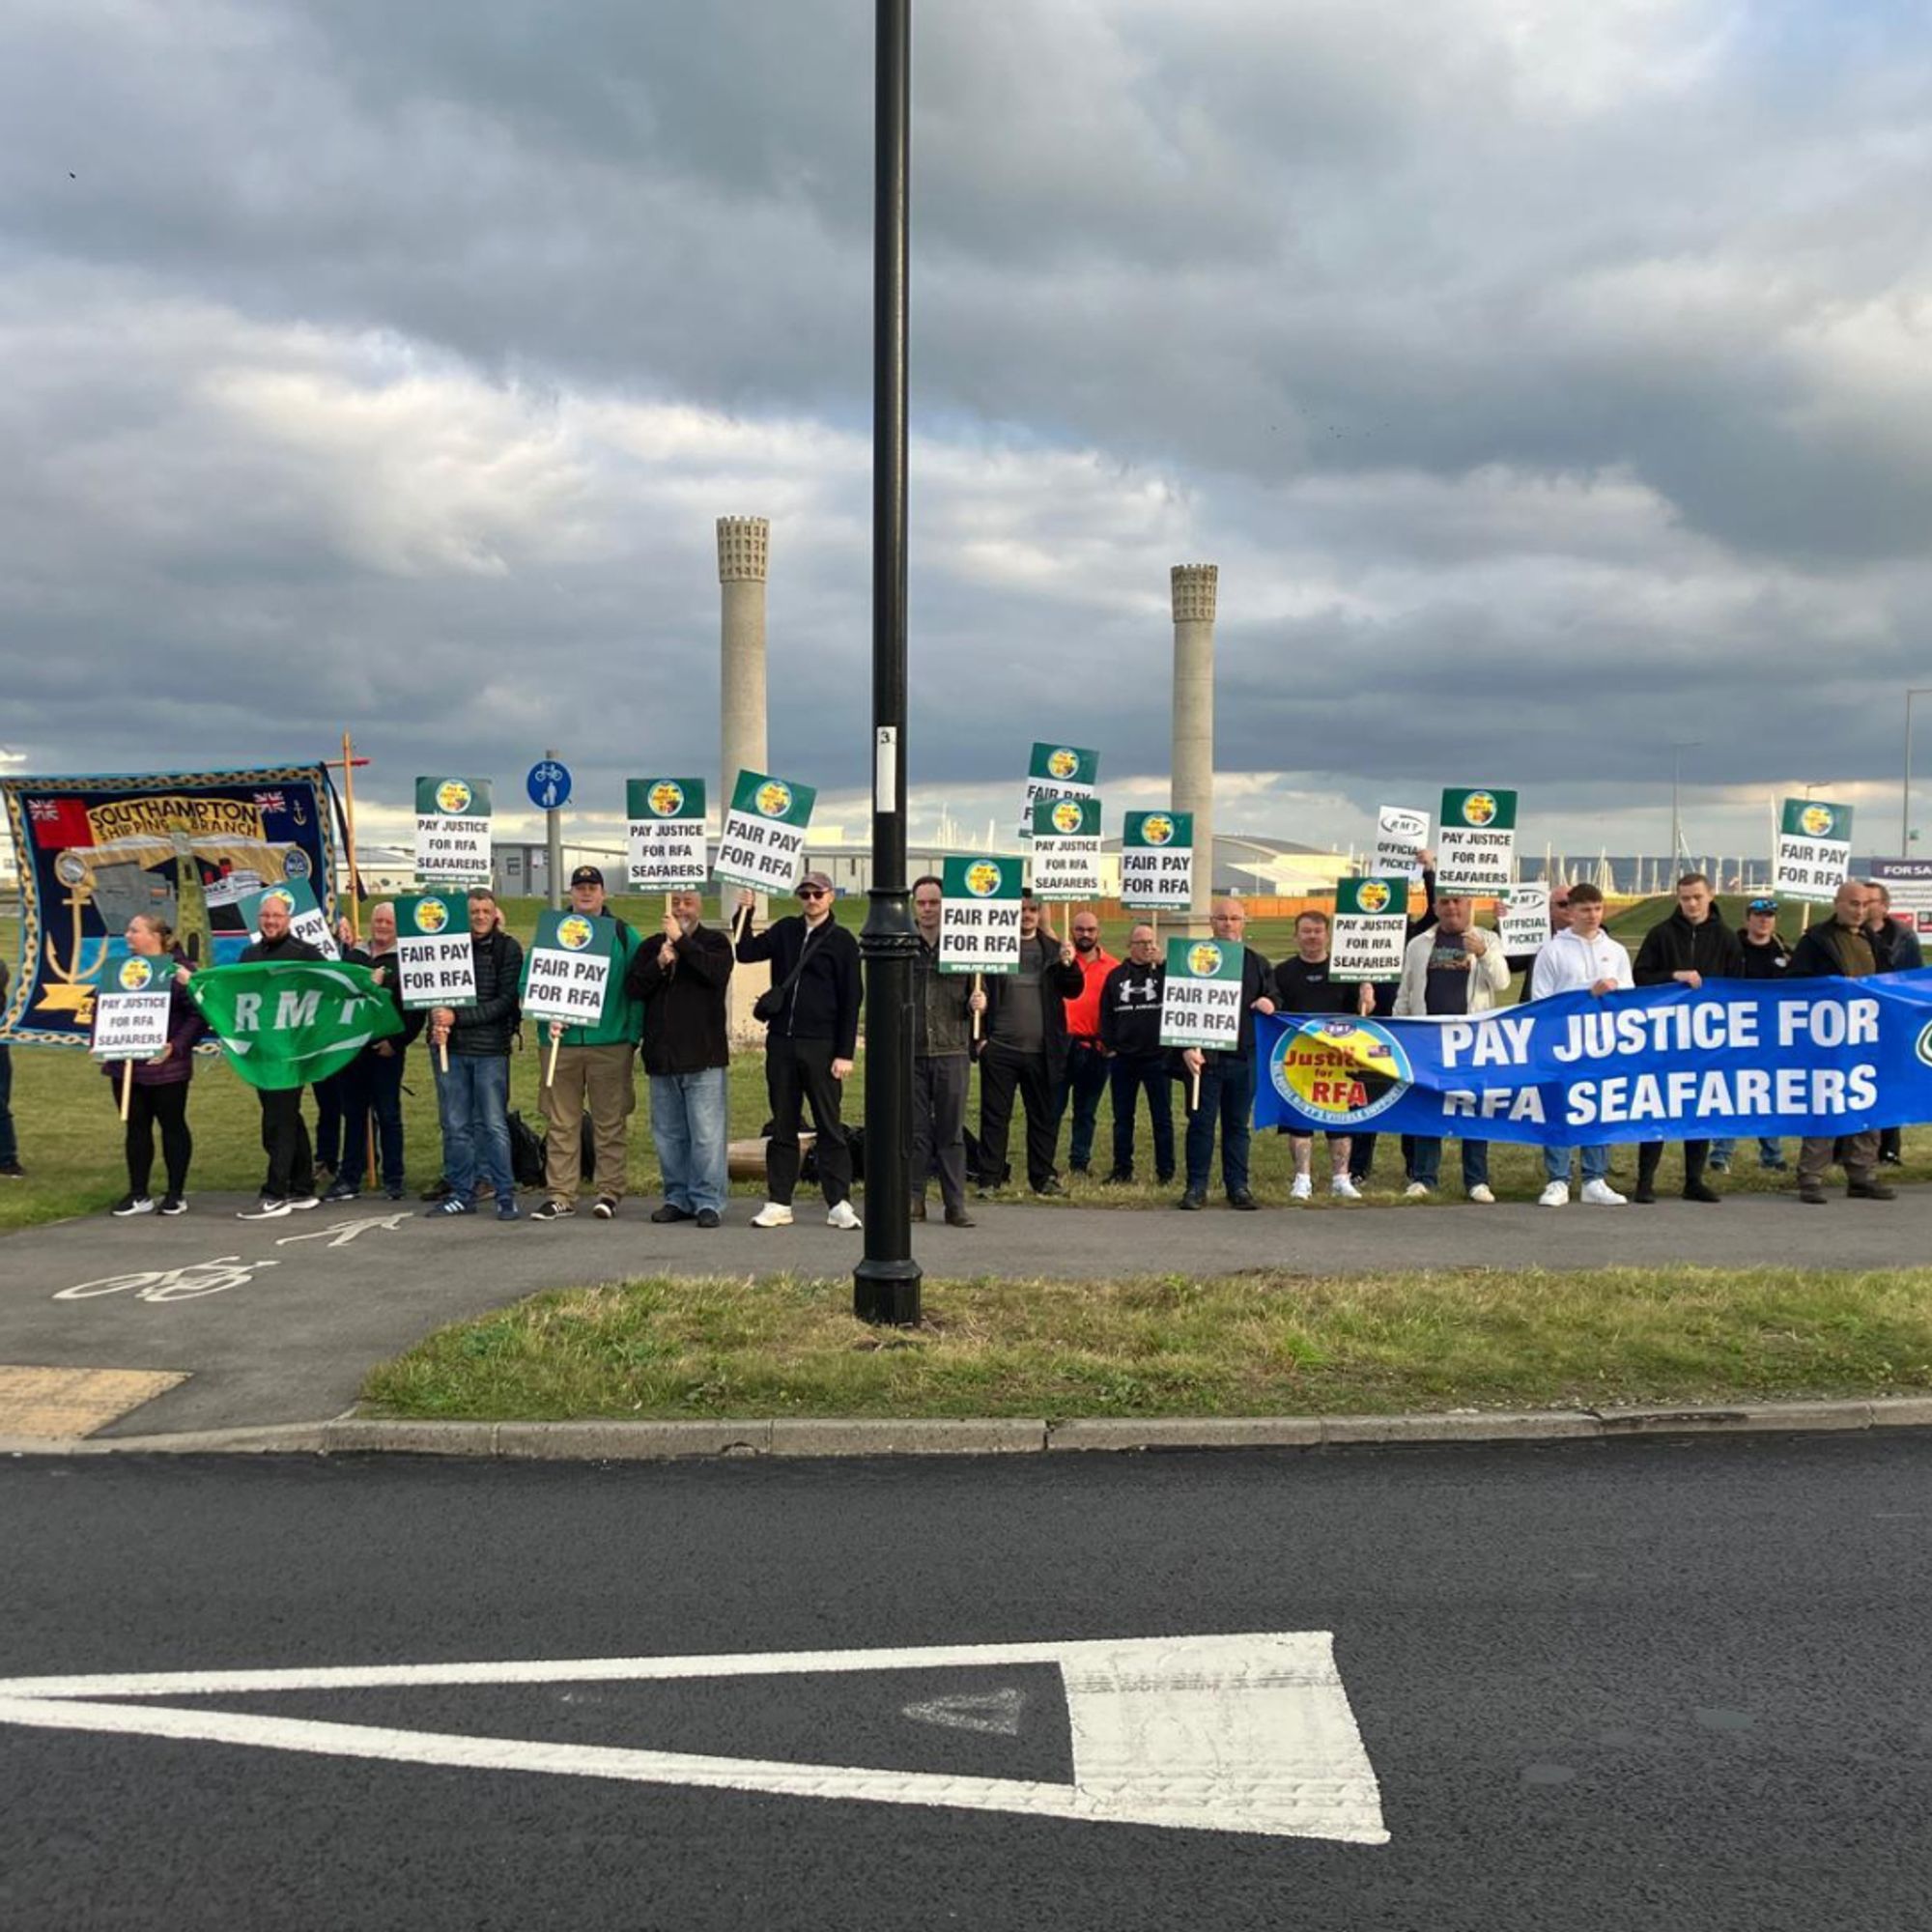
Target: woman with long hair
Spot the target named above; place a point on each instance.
(157, 1096)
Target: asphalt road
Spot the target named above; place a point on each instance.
(311, 1302)
(1634, 1685)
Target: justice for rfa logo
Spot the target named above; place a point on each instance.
(1479, 809)
(1817, 820)
(573, 933)
(667, 799)
(774, 798)
(983, 879)
(1067, 815)
(1373, 895)
(432, 915)
(1063, 764)
(136, 975)
(1203, 961)
(453, 796)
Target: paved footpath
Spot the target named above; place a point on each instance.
(277, 1321)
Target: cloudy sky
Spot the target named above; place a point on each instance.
(1549, 380)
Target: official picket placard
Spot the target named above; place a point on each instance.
(1067, 848)
(1371, 930)
(1402, 833)
(763, 843)
(435, 965)
(1813, 857)
(130, 1008)
(1058, 770)
(1523, 917)
(1909, 881)
(1157, 862)
(1200, 1001)
(1475, 850)
(980, 915)
(665, 829)
(567, 969)
(453, 831)
(306, 919)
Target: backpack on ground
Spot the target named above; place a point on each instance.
(526, 1154)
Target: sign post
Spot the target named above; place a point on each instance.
(548, 783)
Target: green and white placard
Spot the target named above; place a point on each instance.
(1402, 832)
(1523, 917)
(1157, 862)
(1814, 850)
(1475, 850)
(1201, 1000)
(665, 828)
(436, 964)
(1058, 770)
(1371, 930)
(306, 919)
(1067, 848)
(763, 841)
(131, 1007)
(980, 915)
(453, 831)
(567, 970)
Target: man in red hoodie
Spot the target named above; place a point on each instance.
(1086, 1078)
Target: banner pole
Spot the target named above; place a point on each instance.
(349, 822)
(1194, 1097)
(442, 1053)
(978, 986)
(126, 1086)
(550, 1069)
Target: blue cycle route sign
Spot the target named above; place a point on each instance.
(548, 784)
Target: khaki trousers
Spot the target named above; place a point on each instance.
(597, 1078)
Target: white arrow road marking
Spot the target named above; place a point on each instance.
(1249, 1734)
(997, 1713)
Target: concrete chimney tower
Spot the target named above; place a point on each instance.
(1194, 588)
(744, 544)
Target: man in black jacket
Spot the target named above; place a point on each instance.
(1761, 954)
(290, 1182)
(684, 979)
(1689, 946)
(1025, 1051)
(473, 1097)
(1131, 1035)
(1839, 946)
(372, 1083)
(809, 1045)
(943, 1007)
(1227, 1077)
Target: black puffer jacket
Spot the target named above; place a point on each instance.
(486, 1027)
(1674, 946)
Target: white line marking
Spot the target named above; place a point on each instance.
(1247, 1734)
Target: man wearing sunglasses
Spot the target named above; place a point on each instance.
(1763, 954)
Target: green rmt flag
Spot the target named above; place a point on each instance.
(290, 1023)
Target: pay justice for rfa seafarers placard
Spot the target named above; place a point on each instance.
(1200, 998)
(762, 845)
(1371, 930)
(665, 825)
(1814, 850)
(306, 919)
(453, 831)
(130, 1008)
(1475, 850)
(569, 968)
(1067, 848)
(1157, 862)
(435, 965)
(979, 916)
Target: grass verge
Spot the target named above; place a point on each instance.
(1240, 1345)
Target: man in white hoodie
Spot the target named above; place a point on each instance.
(1584, 958)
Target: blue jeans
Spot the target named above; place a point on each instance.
(1127, 1074)
(10, 1147)
(689, 1125)
(1426, 1161)
(1082, 1083)
(1226, 1096)
(1557, 1162)
(1770, 1153)
(473, 1099)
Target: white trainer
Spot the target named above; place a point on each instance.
(1600, 1194)
(1481, 1195)
(1556, 1194)
(1303, 1188)
(772, 1215)
(840, 1216)
(1417, 1190)
(1342, 1188)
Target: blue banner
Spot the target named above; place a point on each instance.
(1734, 1059)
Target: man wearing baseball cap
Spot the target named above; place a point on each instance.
(594, 1075)
(1763, 956)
